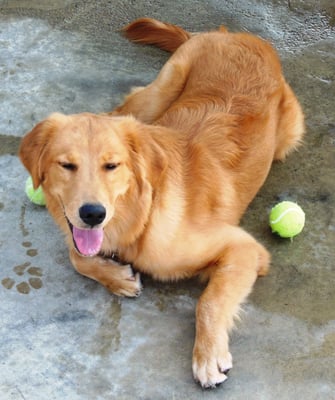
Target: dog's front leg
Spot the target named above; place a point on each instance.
(119, 279)
(230, 281)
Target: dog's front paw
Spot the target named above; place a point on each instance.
(126, 283)
(210, 369)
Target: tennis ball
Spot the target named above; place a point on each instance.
(287, 219)
(35, 196)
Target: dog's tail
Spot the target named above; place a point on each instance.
(151, 31)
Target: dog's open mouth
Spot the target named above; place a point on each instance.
(87, 241)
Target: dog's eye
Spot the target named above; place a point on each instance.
(111, 166)
(69, 166)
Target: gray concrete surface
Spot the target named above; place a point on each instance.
(63, 336)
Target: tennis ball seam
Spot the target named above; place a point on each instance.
(284, 213)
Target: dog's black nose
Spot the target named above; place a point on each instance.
(92, 214)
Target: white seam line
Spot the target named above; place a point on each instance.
(286, 212)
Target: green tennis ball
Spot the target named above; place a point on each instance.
(287, 219)
(35, 196)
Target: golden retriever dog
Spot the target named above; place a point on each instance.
(160, 183)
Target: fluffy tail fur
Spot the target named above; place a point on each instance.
(150, 31)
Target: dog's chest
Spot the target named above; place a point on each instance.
(177, 249)
(162, 247)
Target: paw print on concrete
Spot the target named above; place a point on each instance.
(32, 277)
(27, 276)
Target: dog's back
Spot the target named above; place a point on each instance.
(236, 74)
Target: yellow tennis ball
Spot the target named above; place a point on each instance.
(287, 219)
(35, 196)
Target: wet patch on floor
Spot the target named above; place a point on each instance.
(107, 337)
(9, 144)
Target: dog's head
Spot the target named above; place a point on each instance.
(95, 173)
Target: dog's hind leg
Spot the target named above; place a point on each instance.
(291, 125)
(148, 103)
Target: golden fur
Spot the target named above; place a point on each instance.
(174, 168)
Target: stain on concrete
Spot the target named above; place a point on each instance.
(107, 337)
(9, 144)
(20, 269)
(33, 278)
(73, 315)
(163, 292)
(8, 283)
(36, 271)
(32, 252)
(161, 301)
(23, 288)
(23, 228)
(35, 283)
(33, 274)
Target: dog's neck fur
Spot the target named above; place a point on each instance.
(159, 160)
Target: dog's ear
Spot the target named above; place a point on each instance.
(147, 158)
(34, 144)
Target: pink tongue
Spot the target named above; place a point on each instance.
(88, 241)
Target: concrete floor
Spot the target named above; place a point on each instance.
(63, 336)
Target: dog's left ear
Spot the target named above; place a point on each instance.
(33, 145)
